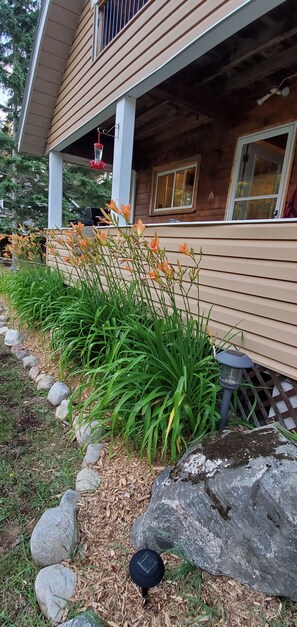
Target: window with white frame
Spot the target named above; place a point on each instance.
(261, 170)
(174, 187)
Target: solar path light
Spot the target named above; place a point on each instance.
(146, 569)
(233, 363)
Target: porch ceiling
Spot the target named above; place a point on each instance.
(225, 82)
(221, 85)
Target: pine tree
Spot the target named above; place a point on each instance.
(24, 179)
(17, 25)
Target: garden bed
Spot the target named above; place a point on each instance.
(186, 597)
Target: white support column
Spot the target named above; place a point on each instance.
(123, 152)
(55, 190)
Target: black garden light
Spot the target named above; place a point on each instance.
(146, 569)
(233, 363)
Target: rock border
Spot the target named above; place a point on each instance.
(55, 536)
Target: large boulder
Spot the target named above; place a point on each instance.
(229, 506)
(55, 536)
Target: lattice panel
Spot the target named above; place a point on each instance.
(267, 397)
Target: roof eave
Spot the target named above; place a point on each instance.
(40, 30)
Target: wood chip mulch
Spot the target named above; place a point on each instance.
(105, 521)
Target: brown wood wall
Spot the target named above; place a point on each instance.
(216, 144)
(158, 32)
(249, 278)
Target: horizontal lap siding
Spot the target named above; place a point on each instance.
(248, 280)
(158, 32)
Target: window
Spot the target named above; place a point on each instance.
(261, 171)
(110, 17)
(175, 187)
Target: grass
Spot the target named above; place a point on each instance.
(188, 579)
(38, 464)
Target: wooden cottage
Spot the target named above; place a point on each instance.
(198, 100)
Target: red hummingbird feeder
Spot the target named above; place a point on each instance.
(97, 163)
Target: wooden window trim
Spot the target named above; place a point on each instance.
(174, 167)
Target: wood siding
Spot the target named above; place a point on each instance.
(249, 279)
(161, 30)
(216, 144)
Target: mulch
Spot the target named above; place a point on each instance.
(105, 521)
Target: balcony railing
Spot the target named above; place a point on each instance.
(114, 15)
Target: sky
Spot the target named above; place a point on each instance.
(2, 101)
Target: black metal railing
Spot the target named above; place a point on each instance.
(115, 14)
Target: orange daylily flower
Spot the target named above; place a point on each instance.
(102, 237)
(113, 207)
(184, 248)
(153, 275)
(79, 227)
(166, 268)
(84, 243)
(154, 244)
(139, 227)
(126, 212)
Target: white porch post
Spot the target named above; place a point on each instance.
(55, 190)
(123, 152)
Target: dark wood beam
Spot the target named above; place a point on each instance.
(261, 70)
(150, 114)
(262, 42)
(194, 100)
(172, 130)
(154, 125)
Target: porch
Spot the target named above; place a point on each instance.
(207, 124)
(233, 103)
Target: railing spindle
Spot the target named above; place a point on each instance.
(115, 14)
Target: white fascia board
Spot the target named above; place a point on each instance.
(42, 21)
(248, 12)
